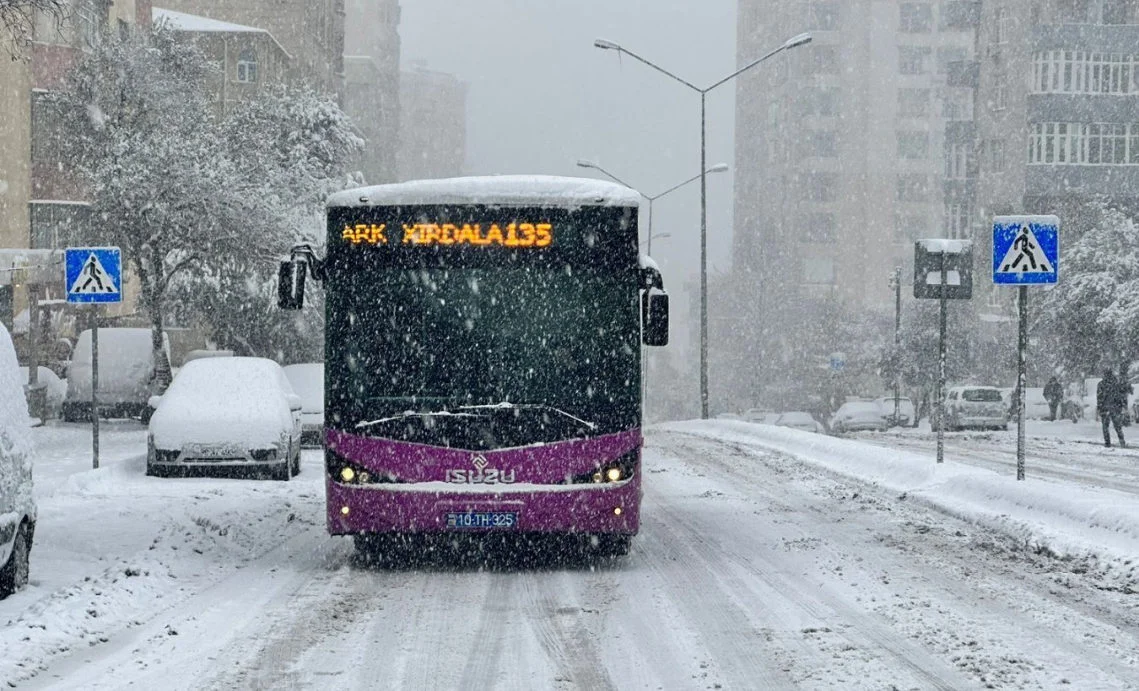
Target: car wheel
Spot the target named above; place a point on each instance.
(297, 462)
(14, 574)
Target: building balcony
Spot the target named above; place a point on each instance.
(1096, 38)
(1047, 180)
(1058, 107)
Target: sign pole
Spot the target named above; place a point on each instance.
(94, 387)
(1021, 378)
(941, 367)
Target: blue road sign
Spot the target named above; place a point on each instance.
(1026, 250)
(93, 274)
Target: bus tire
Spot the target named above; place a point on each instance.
(613, 545)
(388, 550)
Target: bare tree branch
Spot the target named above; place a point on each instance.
(18, 21)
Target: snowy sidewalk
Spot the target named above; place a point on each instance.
(1066, 519)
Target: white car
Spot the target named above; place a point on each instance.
(126, 371)
(308, 382)
(56, 388)
(978, 407)
(233, 414)
(17, 505)
(760, 415)
(905, 410)
(857, 416)
(799, 420)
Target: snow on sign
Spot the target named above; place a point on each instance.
(93, 274)
(1026, 249)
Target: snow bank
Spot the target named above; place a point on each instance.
(513, 190)
(1061, 517)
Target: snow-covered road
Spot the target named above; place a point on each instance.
(754, 569)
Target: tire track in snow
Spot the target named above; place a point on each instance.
(482, 667)
(1096, 633)
(559, 628)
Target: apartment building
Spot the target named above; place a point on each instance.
(433, 124)
(371, 76)
(311, 32)
(1057, 118)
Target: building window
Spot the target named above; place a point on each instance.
(957, 221)
(950, 54)
(1073, 11)
(915, 18)
(90, 16)
(1000, 98)
(912, 59)
(818, 144)
(913, 145)
(1075, 143)
(818, 270)
(996, 151)
(822, 16)
(818, 187)
(821, 60)
(913, 188)
(819, 228)
(956, 160)
(957, 104)
(58, 225)
(1082, 72)
(247, 66)
(818, 101)
(1118, 11)
(913, 103)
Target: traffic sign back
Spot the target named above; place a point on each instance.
(1026, 250)
(93, 274)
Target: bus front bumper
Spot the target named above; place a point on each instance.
(440, 508)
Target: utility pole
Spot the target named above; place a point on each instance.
(896, 281)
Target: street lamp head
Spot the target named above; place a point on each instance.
(607, 45)
(796, 41)
(586, 164)
(719, 168)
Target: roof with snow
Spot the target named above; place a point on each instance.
(504, 190)
(180, 21)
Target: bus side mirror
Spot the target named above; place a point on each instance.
(291, 285)
(654, 317)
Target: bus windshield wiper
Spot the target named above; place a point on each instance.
(506, 405)
(410, 413)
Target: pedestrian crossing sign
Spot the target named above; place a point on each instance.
(93, 274)
(1026, 250)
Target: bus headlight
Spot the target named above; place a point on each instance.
(346, 472)
(615, 471)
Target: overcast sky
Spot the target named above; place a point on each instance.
(542, 97)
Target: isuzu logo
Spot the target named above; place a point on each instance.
(481, 475)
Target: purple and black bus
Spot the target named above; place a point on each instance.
(483, 357)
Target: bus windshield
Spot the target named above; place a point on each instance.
(554, 344)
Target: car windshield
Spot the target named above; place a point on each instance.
(982, 395)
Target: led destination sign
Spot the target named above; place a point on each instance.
(521, 235)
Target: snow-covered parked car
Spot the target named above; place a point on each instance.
(798, 420)
(308, 383)
(17, 505)
(126, 371)
(56, 388)
(856, 416)
(978, 407)
(905, 410)
(234, 413)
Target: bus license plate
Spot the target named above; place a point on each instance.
(482, 519)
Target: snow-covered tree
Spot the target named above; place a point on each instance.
(18, 20)
(1092, 315)
(161, 185)
(292, 144)
(916, 359)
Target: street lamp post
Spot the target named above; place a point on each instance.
(718, 168)
(792, 42)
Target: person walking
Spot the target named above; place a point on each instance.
(1054, 394)
(1110, 400)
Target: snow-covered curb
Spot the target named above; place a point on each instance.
(1066, 519)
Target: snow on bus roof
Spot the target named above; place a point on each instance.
(506, 190)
